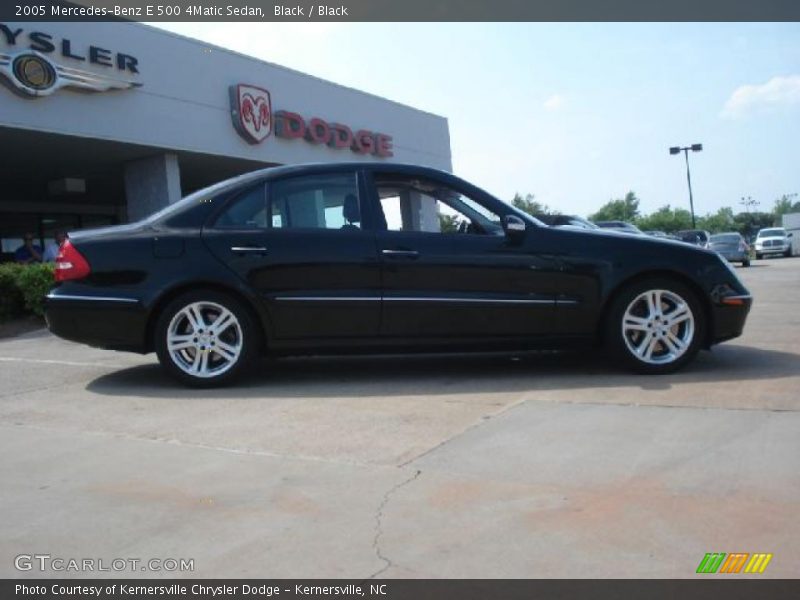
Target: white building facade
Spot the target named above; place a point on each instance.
(107, 122)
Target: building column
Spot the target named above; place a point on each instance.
(151, 184)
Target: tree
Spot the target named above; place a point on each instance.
(621, 209)
(784, 205)
(748, 223)
(448, 223)
(666, 219)
(722, 220)
(529, 205)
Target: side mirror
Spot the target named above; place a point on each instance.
(789, 234)
(515, 228)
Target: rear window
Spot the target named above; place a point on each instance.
(725, 239)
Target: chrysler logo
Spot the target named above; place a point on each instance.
(36, 75)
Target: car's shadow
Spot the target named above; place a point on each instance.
(451, 374)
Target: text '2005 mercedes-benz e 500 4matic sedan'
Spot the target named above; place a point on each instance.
(364, 257)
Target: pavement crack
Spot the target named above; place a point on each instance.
(376, 542)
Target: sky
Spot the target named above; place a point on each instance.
(589, 110)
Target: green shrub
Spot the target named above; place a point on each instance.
(11, 301)
(34, 281)
(23, 288)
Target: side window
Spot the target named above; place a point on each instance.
(412, 204)
(315, 201)
(248, 210)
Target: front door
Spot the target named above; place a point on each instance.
(448, 269)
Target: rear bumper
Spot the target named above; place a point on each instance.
(112, 322)
(733, 255)
(729, 317)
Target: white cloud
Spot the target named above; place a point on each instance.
(776, 93)
(554, 102)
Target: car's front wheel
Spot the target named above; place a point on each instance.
(746, 262)
(205, 338)
(656, 326)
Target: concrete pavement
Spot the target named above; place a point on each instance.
(532, 466)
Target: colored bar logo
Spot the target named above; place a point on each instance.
(720, 562)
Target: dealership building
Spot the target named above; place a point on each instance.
(105, 123)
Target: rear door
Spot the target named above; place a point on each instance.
(303, 243)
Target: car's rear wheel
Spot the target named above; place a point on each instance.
(656, 326)
(205, 338)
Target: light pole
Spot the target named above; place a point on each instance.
(747, 203)
(685, 150)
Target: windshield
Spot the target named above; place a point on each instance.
(725, 238)
(692, 236)
(771, 233)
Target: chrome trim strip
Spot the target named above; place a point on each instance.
(328, 298)
(248, 249)
(471, 300)
(409, 299)
(90, 298)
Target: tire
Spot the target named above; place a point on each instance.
(759, 256)
(631, 320)
(193, 351)
(788, 253)
(746, 262)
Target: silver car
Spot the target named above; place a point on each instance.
(731, 246)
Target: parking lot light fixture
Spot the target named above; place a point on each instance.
(685, 150)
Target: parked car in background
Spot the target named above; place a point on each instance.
(731, 246)
(698, 237)
(658, 234)
(620, 226)
(355, 257)
(773, 240)
(566, 221)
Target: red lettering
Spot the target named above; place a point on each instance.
(318, 131)
(341, 136)
(383, 145)
(289, 125)
(363, 142)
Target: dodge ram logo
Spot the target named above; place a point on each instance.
(251, 112)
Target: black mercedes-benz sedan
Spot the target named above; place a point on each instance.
(366, 257)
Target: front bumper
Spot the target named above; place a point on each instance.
(112, 322)
(728, 317)
(772, 249)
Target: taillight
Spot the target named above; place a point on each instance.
(70, 264)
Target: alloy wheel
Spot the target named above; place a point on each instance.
(658, 327)
(204, 339)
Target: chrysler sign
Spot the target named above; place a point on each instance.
(253, 119)
(30, 68)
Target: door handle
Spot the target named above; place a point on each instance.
(400, 253)
(250, 249)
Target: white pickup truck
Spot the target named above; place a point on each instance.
(773, 240)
